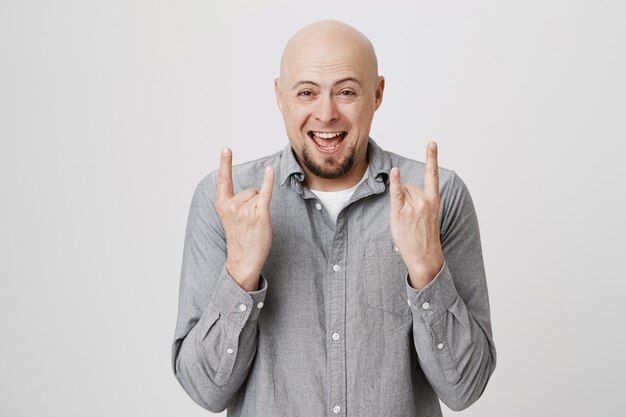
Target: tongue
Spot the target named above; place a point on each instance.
(327, 142)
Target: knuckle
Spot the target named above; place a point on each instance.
(232, 208)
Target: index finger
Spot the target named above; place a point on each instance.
(225, 176)
(431, 176)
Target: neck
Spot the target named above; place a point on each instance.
(350, 179)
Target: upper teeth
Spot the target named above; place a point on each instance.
(326, 135)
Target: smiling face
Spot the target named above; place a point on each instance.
(328, 91)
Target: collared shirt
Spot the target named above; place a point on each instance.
(335, 329)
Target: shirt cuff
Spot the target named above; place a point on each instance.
(235, 303)
(435, 298)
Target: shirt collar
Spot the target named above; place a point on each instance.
(379, 164)
(289, 166)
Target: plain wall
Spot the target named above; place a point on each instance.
(111, 112)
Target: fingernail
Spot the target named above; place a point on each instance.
(224, 151)
(268, 169)
(433, 146)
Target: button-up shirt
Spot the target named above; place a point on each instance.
(335, 328)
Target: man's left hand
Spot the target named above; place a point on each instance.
(414, 222)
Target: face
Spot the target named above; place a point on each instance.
(328, 93)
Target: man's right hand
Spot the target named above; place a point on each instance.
(247, 223)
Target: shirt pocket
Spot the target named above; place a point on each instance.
(385, 278)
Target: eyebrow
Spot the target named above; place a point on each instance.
(343, 80)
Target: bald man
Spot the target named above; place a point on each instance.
(317, 282)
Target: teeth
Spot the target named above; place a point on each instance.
(326, 135)
(327, 141)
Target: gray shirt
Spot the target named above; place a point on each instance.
(335, 329)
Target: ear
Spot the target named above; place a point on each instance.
(278, 94)
(380, 87)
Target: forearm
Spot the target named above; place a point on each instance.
(451, 315)
(456, 354)
(214, 358)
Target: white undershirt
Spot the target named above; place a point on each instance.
(335, 201)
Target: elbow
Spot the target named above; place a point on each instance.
(458, 404)
(459, 401)
(199, 388)
(209, 403)
(466, 393)
(213, 406)
(207, 397)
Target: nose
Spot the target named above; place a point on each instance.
(326, 110)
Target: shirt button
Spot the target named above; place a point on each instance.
(336, 409)
(426, 305)
(242, 307)
(440, 346)
(260, 305)
(336, 268)
(408, 301)
(395, 248)
(230, 351)
(318, 206)
(335, 336)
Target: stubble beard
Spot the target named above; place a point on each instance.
(330, 168)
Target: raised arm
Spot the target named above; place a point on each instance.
(221, 288)
(446, 284)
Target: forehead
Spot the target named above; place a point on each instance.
(326, 72)
(327, 58)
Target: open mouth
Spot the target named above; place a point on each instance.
(328, 142)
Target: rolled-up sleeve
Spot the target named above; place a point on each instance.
(451, 317)
(215, 338)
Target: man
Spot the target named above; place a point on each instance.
(334, 289)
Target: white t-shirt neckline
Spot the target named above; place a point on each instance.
(335, 201)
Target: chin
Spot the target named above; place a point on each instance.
(328, 167)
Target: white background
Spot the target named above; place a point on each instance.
(111, 112)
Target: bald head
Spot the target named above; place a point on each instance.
(327, 92)
(325, 44)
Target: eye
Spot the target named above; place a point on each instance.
(305, 93)
(347, 93)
